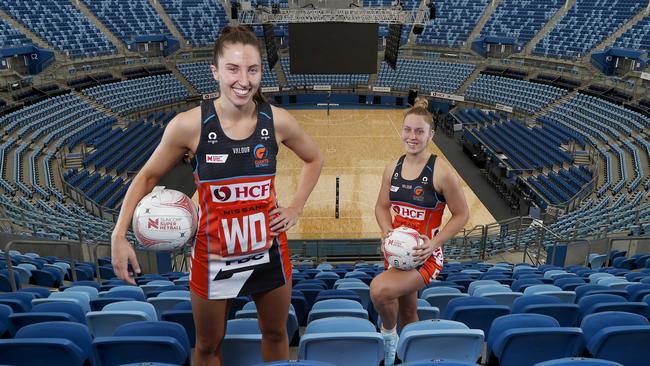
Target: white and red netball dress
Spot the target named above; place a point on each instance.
(416, 204)
(235, 254)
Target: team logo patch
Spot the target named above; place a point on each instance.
(418, 192)
(250, 191)
(261, 154)
(216, 158)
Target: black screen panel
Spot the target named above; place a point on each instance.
(333, 48)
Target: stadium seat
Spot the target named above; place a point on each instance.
(617, 336)
(567, 297)
(526, 339)
(567, 315)
(53, 343)
(606, 302)
(104, 323)
(578, 361)
(355, 340)
(149, 341)
(475, 312)
(440, 339)
(440, 297)
(185, 319)
(336, 307)
(5, 325)
(242, 343)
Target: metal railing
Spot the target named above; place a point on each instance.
(9, 245)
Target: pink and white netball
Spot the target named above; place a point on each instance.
(165, 220)
(398, 248)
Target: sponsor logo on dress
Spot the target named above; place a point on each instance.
(409, 212)
(241, 150)
(394, 188)
(216, 158)
(212, 137)
(265, 134)
(250, 191)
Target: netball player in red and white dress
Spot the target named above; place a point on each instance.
(241, 245)
(415, 188)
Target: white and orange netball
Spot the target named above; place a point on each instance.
(399, 247)
(165, 220)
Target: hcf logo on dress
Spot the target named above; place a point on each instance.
(248, 191)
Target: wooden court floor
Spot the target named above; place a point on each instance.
(357, 145)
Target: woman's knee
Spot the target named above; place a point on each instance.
(381, 291)
(275, 334)
(208, 346)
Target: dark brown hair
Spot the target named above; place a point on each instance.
(237, 34)
(421, 108)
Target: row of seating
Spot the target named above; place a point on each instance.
(520, 20)
(637, 37)
(453, 24)
(199, 21)
(69, 221)
(585, 25)
(424, 75)
(200, 76)
(128, 19)
(335, 80)
(519, 94)
(314, 343)
(11, 37)
(62, 25)
(137, 94)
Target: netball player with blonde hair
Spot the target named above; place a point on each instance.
(241, 246)
(415, 188)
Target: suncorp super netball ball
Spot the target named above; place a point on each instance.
(165, 220)
(398, 248)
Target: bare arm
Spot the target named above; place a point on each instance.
(382, 207)
(294, 137)
(447, 182)
(174, 144)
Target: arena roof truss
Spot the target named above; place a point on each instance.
(378, 15)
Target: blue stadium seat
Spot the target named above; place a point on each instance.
(617, 336)
(336, 307)
(578, 361)
(606, 302)
(567, 315)
(242, 342)
(149, 341)
(440, 339)
(355, 340)
(525, 339)
(475, 312)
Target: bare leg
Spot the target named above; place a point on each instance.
(386, 290)
(272, 312)
(210, 317)
(408, 309)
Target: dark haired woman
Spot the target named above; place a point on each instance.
(241, 245)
